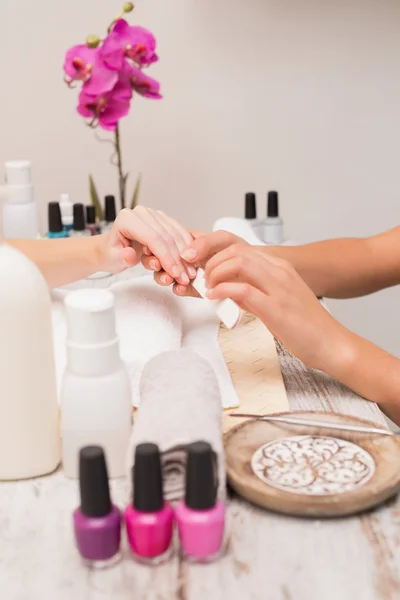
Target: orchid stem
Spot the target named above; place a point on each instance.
(121, 176)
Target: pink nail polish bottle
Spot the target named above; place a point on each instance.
(149, 520)
(201, 516)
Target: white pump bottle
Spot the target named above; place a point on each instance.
(29, 416)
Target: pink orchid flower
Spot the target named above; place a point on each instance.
(144, 85)
(125, 41)
(85, 64)
(107, 108)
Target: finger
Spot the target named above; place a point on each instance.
(179, 234)
(133, 227)
(203, 247)
(162, 278)
(246, 296)
(183, 232)
(185, 290)
(151, 263)
(227, 253)
(251, 268)
(146, 251)
(178, 271)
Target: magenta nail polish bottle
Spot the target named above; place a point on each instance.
(97, 523)
(149, 520)
(201, 516)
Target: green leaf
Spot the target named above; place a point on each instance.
(136, 192)
(95, 199)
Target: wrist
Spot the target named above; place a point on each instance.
(342, 354)
(97, 255)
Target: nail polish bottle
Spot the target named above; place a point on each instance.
(66, 212)
(149, 520)
(109, 213)
(91, 223)
(56, 228)
(78, 227)
(201, 516)
(97, 522)
(272, 227)
(250, 212)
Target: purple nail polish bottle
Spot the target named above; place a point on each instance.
(97, 523)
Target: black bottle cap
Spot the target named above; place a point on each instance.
(272, 205)
(201, 477)
(93, 482)
(109, 209)
(147, 479)
(90, 214)
(250, 209)
(54, 215)
(79, 218)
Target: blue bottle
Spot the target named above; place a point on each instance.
(56, 228)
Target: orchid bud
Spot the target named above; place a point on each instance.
(128, 7)
(92, 41)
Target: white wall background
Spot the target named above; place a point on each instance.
(298, 95)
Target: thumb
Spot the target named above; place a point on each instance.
(205, 246)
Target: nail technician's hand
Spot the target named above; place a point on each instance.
(144, 230)
(199, 251)
(272, 290)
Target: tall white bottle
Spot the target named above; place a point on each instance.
(96, 400)
(20, 212)
(30, 442)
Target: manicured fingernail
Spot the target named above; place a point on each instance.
(192, 272)
(153, 265)
(175, 271)
(185, 279)
(164, 278)
(189, 254)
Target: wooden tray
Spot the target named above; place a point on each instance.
(322, 475)
(252, 360)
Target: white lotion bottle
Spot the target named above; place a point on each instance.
(20, 212)
(66, 208)
(96, 400)
(271, 229)
(30, 443)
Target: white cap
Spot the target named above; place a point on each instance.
(92, 342)
(18, 172)
(227, 310)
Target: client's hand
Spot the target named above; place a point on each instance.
(145, 231)
(197, 253)
(272, 290)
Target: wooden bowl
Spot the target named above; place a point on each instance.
(306, 471)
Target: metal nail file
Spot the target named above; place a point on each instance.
(315, 423)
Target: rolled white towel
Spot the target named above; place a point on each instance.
(180, 404)
(149, 322)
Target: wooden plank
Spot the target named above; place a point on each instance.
(283, 558)
(38, 559)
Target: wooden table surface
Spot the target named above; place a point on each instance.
(270, 557)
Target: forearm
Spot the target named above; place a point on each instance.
(345, 268)
(370, 372)
(63, 261)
